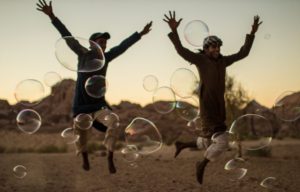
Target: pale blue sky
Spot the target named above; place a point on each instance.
(28, 38)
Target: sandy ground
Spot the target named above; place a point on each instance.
(157, 172)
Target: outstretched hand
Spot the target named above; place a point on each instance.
(256, 24)
(45, 8)
(146, 29)
(171, 20)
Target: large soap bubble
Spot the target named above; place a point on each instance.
(195, 32)
(184, 83)
(68, 50)
(150, 83)
(164, 100)
(28, 121)
(269, 183)
(69, 136)
(83, 121)
(130, 153)
(29, 92)
(96, 86)
(20, 171)
(187, 108)
(112, 120)
(235, 169)
(52, 78)
(252, 131)
(143, 134)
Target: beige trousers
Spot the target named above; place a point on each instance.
(111, 135)
(214, 146)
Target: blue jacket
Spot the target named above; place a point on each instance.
(82, 102)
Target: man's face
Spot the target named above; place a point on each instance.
(213, 51)
(102, 43)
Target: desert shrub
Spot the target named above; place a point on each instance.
(95, 146)
(99, 146)
(2, 149)
(120, 145)
(52, 149)
(19, 150)
(263, 152)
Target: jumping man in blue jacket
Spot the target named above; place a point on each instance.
(84, 103)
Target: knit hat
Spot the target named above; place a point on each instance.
(210, 40)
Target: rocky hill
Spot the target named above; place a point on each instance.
(55, 111)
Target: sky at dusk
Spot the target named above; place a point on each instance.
(272, 67)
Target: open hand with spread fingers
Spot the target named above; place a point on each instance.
(45, 8)
(171, 20)
(256, 24)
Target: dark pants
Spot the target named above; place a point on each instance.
(220, 128)
(99, 126)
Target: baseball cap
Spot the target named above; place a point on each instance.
(97, 35)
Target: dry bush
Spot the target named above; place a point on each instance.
(22, 142)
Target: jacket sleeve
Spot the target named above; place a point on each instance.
(243, 52)
(182, 51)
(71, 41)
(122, 47)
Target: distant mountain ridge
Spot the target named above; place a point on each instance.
(55, 111)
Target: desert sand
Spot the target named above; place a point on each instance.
(158, 172)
